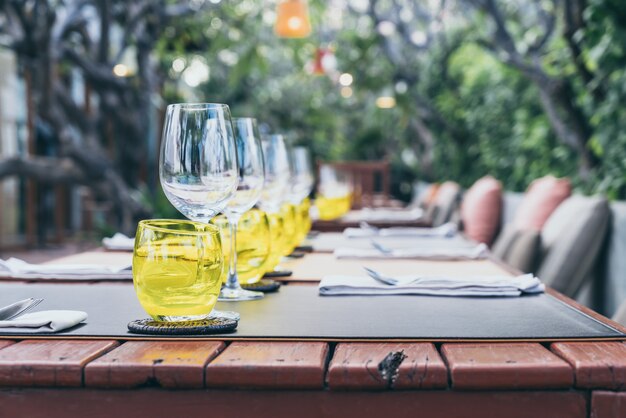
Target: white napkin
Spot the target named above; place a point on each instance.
(448, 230)
(44, 321)
(19, 269)
(433, 285)
(478, 252)
(119, 242)
(384, 215)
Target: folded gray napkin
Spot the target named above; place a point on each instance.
(384, 215)
(119, 242)
(448, 230)
(44, 321)
(432, 285)
(478, 252)
(15, 268)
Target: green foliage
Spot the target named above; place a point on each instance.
(491, 120)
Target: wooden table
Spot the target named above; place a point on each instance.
(105, 378)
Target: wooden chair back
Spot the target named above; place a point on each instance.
(371, 181)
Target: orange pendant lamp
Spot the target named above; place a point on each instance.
(292, 19)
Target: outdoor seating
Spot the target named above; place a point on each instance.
(481, 210)
(524, 216)
(571, 241)
(445, 203)
(612, 286)
(312, 209)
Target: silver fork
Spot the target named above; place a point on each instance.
(16, 309)
(382, 248)
(365, 225)
(380, 278)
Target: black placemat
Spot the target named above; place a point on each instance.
(297, 312)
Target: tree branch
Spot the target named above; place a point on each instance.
(47, 170)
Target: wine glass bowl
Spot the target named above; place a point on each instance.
(277, 173)
(302, 182)
(302, 178)
(198, 165)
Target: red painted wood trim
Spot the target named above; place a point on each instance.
(608, 404)
(48, 363)
(150, 403)
(290, 365)
(505, 366)
(355, 366)
(596, 364)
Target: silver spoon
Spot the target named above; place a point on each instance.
(18, 308)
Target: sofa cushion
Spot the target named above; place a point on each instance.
(518, 248)
(481, 209)
(571, 241)
(445, 202)
(525, 251)
(543, 196)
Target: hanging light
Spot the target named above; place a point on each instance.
(292, 19)
(317, 67)
(385, 102)
(324, 62)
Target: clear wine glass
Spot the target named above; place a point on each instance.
(277, 173)
(302, 177)
(198, 162)
(302, 182)
(276, 159)
(251, 179)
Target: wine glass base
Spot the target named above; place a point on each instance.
(224, 314)
(239, 294)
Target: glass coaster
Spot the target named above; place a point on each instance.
(263, 285)
(203, 326)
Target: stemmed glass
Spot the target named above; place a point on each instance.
(198, 164)
(251, 178)
(302, 182)
(276, 186)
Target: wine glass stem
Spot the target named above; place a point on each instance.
(233, 281)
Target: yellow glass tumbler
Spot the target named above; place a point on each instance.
(177, 267)
(304, 220)
(290, 237)
(277, 232)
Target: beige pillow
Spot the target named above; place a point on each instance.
(519, 249)
(571, 241)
